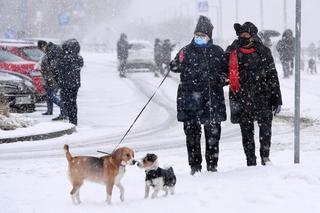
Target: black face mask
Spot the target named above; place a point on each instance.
(244, 41)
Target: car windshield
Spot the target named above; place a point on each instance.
(7, 56)
(33, 52)
(9, 77)
(137, 46)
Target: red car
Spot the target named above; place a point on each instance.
(24, 49)
(14, 63)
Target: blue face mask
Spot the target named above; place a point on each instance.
(200, 40)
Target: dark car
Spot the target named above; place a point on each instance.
(19, 90)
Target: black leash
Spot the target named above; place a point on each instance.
(135, 120)
(106, 153)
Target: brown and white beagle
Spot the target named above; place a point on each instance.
(107, 170)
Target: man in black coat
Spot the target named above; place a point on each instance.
(254, 89)
(285, 47)
(70, 75)
(50, 69)
(123, 52)
(200, 98)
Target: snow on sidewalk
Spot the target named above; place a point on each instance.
(36, 186)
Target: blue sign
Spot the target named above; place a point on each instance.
(64, 18)
(78, 6)
(10, 33)
(203, 6)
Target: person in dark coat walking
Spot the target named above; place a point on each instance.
(158, 54)
(312, 66)
(167, 48)
(254, 90)
(123, 52)
(50, 69)
(285, 47)
(200, 98)
(70, 74)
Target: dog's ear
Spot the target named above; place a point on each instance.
(151, 157)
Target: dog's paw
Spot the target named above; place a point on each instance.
(122, 198)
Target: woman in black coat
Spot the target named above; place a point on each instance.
(200, 99)
(254, 89)
(70, 78)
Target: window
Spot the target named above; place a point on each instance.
(33, 52)
(7, 56)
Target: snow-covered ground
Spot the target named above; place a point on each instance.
(33, 174)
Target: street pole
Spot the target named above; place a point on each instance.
(237, 11)
(297, 84)
(220, 21)
(261, 15)
(285, 23)
(22, 10)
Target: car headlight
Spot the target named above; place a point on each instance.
(35, 73)
(28, 83)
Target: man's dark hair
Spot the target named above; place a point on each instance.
(42, 44)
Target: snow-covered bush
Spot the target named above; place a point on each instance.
(13, 121)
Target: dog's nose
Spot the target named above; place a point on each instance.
(134, 162)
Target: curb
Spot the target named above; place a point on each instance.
(40, 136)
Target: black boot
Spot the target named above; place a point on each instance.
(265, 161)
(59, 118)
(251, 161)
(47, 113)
(195, 169)
(211, 168)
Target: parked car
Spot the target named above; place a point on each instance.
(19, 90)
(141, 56)
(24, 49)
(36, 39)
(14, 63)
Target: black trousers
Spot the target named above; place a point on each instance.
(247, 131)
(212, 133)
(122, 66)
(287, 67)
(69, 98)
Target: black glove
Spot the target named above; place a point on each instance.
(276, 110)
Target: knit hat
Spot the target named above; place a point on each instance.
(204, 26)
(247, 27)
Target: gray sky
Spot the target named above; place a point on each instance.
(249, 10)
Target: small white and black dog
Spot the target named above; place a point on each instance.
(156, 177)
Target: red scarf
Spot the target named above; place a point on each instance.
(234, 68)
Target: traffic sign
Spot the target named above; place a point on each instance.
(203, 6)
(64, 18)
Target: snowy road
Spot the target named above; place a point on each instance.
(32, 174)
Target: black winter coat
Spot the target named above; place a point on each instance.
(123, 49)
(259, 85)
(167, 48)
(158, 53)
(52, 64)
(72, 64)
(200, 95)
(285, 47)
(48, 74)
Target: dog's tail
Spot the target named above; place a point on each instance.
(67, 153)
